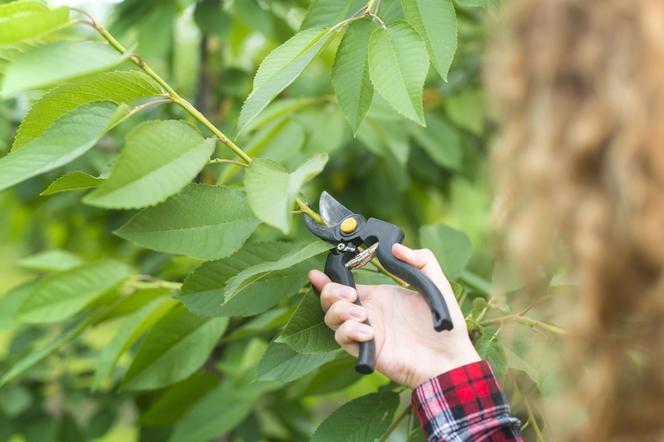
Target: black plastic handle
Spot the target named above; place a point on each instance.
(387, 235)
(335, 268)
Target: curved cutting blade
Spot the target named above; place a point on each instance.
(331, 210)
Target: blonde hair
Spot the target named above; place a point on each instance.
(579, 86)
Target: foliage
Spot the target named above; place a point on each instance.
(152, 250)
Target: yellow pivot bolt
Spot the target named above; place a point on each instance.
(348, 225)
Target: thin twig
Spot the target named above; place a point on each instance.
(531, 415)
(140, 107)
(526, 321)
(189, 108)
(226, 161)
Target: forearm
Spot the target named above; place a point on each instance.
(465, 404)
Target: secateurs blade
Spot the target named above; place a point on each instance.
(349, 232)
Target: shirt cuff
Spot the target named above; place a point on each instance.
(465, 404)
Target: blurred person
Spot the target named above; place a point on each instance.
(579, 89)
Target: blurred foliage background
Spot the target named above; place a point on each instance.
(393, 169)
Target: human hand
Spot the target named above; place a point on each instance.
(408, 350)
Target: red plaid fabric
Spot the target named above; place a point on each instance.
(465, 405)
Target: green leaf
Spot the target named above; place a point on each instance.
(69, 138)
(297, 254)
(207, 222)
(177, 346)
(385, 138)
(50, 261)
(203, 291)
(27, 20)
(117, 87)
(350, 74)
(271, 190)
(440, 140)
(174, 402)
(131, 328)
(159, 159)
(218, 412)
(280, 68)
(71, 181)
(10, 303)
(472, 3)
(306, 332)
(281, 363)
(516, 362)
(363, 419)
(435, 21)
(62, 295)
(326, 13)
(452, 247)
(398, 64)
(491, 350)
(57, 62)
(466, 110)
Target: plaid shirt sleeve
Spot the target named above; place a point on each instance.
(465, 405)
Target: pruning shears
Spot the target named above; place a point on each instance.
(350, 231)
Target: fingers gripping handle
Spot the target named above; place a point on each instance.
(418, 280)
(335, 268)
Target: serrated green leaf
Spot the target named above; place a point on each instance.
(72, 181)
(62, 295)
(298, 253)
(398, 64)
(452, 247)
(281, 363)
(130, 329)
(50, 261)
(350, 74)
(207, 222)
(177, 346)
(325, 13)
(363, 419)
(69, 138)
(435, 21)
(117, 87)
(158, 160)
(203, 290)
(440, 140)
(280, 68)
(57, 62)
(271, 190)
(306, 332)
(21, 21)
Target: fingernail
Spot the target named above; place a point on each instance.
(357, 312)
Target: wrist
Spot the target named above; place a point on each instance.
(437, 364)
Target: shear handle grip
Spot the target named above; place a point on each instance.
(335, 268)
(418, 280)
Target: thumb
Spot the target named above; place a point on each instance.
(422, 259)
